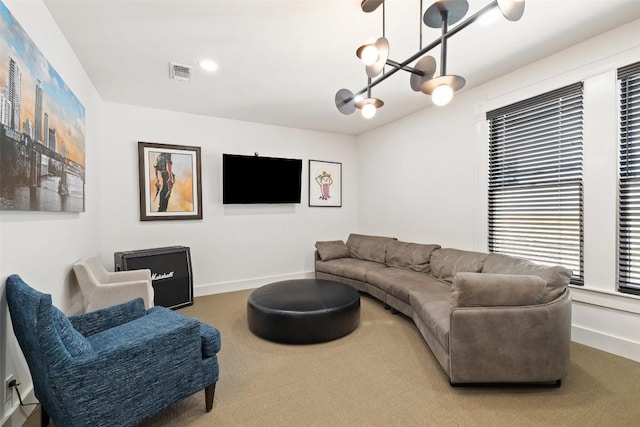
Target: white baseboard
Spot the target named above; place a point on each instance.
(17, 416)
(240, 285)
(610, 344)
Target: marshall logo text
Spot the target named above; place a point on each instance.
(156, 276)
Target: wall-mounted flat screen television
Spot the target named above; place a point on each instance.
(255, 179)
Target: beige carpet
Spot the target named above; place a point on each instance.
(383, 374)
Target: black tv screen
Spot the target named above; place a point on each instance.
(254, 179)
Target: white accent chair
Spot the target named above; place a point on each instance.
(102, 288)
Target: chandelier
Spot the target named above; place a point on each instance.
(375, 55)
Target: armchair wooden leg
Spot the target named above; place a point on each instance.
(44, 417)
(209, 392)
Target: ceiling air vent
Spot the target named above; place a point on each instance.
(180, 72)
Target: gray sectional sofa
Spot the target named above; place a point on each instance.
(488, 318)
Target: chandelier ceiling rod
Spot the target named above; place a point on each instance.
(443, 43)
(404, 65)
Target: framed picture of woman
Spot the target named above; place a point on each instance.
(169, 182)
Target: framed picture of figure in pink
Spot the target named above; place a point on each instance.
(169, 182)
(325, 184)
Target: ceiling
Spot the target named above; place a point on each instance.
(282, 61)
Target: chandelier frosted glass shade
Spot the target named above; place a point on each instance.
(345, 101)
(374, 55)
(449, 11)
(511, 9)
(441, 96)
(369, 106)
(427, 66)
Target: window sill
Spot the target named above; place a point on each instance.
(614, 300)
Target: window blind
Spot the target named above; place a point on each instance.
(629, 181)
(535, 179)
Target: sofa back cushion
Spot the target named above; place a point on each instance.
(369, 248)
(556, 277)
(445, 263)
(333, 249)
(412, 256)
(496, 290)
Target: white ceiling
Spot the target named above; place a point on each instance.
(282, 61)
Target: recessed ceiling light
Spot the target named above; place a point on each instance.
(208, 65)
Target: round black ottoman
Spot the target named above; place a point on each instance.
(303, 311)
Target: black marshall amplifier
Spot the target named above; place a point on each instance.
(171, 276)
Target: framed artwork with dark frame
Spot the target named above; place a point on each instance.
(169, 182)
(325, 184)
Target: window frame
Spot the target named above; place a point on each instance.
(628, 171)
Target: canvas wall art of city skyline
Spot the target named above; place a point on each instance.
(42, 129)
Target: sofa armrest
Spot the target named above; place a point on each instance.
(97, 321)
(496, 290)
(510, 344)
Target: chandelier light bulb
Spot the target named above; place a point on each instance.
(368, 111)
(442, 95)
(369, 55)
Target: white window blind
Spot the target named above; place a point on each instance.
(629, 181)
(535, 179)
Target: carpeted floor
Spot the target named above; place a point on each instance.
(383, 374)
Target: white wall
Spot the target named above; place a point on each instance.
(424, 178)
(41, 246)
(233, 246)
(416, 178)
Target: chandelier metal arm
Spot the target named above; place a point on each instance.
(443, 43)
(435, 43)
(412, 70)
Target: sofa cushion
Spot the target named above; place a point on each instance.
(348, 267)
(369, 248)
(333, 249)
(400, 282)
(435, 312)
(556, 277)
(445, 263)
(414, 256)
(493, 290)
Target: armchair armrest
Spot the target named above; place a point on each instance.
(97, 321)
(210, 337)
(130, 275)
(148, 330)
(115, 292)
(510, 344)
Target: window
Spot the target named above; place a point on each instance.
(535, 179)
(629, 181)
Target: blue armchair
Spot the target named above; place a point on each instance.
(111, 367)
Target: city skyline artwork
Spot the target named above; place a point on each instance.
(42, 129)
